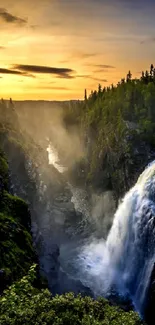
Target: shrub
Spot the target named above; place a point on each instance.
(22, 304)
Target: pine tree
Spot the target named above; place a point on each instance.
(151, 70)
(85, 94)
(129, 76)
(143, 76)
(122, 80)
(147, 77)
(99, 89)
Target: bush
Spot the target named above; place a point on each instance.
(17, 208)
(16, 250)
(4, 170)
(22, 304)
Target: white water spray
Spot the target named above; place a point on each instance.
(125, 261)
(54, 159)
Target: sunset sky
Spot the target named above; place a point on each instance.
(54, 49)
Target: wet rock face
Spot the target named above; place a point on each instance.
(53, 216)
(149, 311)
(117, 300)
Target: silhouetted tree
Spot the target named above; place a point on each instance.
(147, 77)
(122, 80)
(85, 94)
(129, 76)
(99, 89)
(143, 76)
(151, 70)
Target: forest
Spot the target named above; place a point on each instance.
(117, 124)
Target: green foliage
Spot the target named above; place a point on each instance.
(22, 304)
(4, 171)
(17, 208)
(16, 249)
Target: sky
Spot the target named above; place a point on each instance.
(54, 49)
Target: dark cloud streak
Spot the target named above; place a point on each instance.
(8, 71)
(92, 78)
(15, 72)
(59, 72)
(11, 19)
(102, 66)
(53, 88)
(99, 79)
(84, 55)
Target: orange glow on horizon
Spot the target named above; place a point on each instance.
(60, 37)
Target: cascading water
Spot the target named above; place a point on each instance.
(54, 159)
(122, 263)
(125, 261)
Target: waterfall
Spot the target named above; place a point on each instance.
(54, 159)
(122, 263)
(125, 260)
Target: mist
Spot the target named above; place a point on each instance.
(71, 223)
(67, 218)
(44, 122)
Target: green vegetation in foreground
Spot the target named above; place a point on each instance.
(22, 304)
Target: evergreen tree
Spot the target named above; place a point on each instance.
(151, 70)
(99, 89)
(143, 76)
(146, 76)
(129, 76)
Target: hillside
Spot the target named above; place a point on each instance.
(117, 126)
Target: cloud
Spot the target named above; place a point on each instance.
(78, 55)
(53, 88)
(15, 72)
(83, 55)
(66, 76)
(92, 78)
(8, 71)
(148, 40)
(59, 72)
(100, 70)
(11, 19)
(98, 79)
(102, 66)
(2, 47)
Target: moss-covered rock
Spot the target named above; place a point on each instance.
(16, 251)
(17, 208)
(4, 173)
(16, 247)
